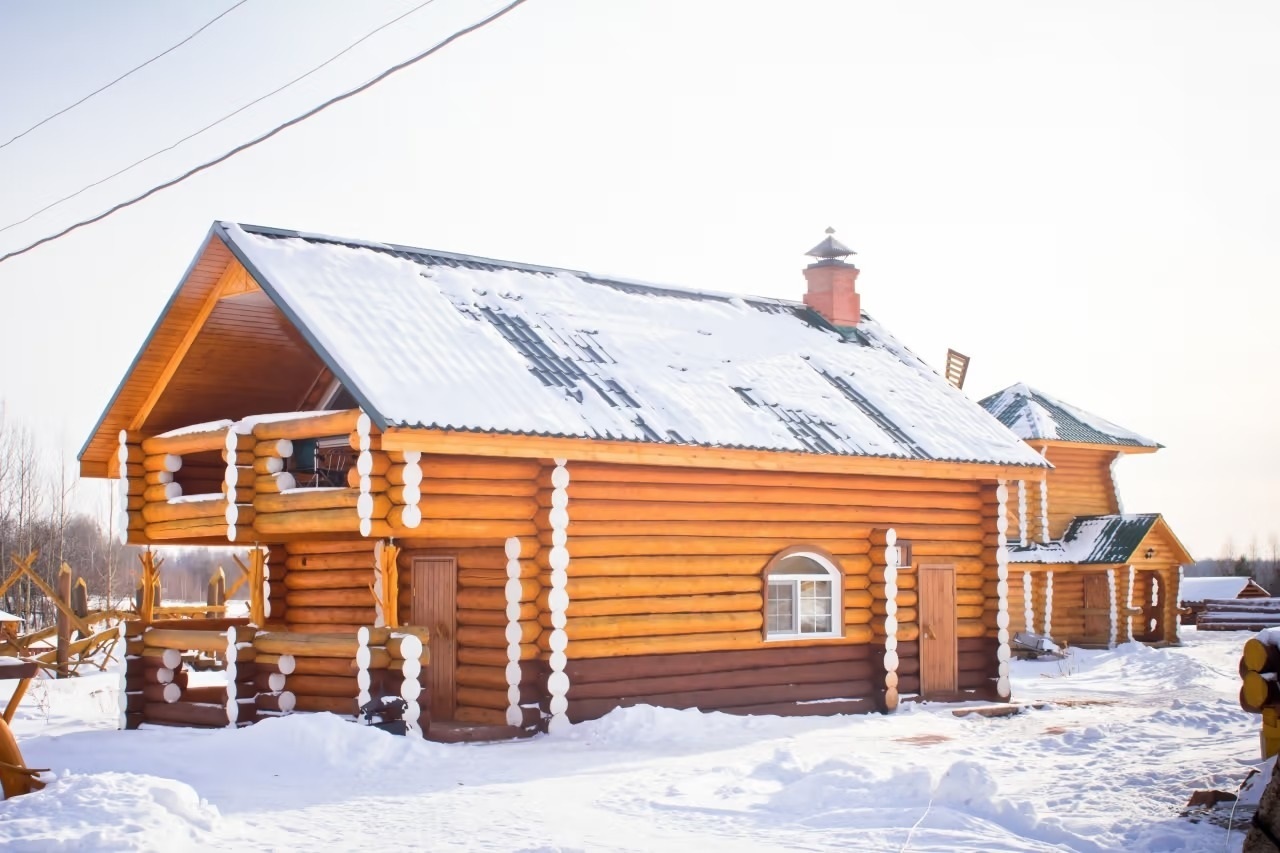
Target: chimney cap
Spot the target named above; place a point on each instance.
(830, 249)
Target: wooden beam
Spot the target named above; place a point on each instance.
(653, 453)
(1041, 443)
(231, 277)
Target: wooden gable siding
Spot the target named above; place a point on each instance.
(98, 458)
(1079, 484)
(247, 359)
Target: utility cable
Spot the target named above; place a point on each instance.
(136, 68)
(214, 124)
(264, 137)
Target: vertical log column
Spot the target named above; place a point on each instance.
(272, 699)
(1044, 509)
(403, 485)
(131, 676)
(1048, 603)
(1002, 593)
(407, 652)
(558, 599)
(1171, 608)
(269, 455)
(238, 483)
(889, 624)
(1128, 605)
(1022, 513)
(1114, 608)
(1027, 607)
(131, 486)
(364, 442)
(241, 673)
(513, 592)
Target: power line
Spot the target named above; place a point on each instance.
(264, 137)
(137, 68)
(214, 124)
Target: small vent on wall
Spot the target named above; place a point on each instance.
(957, 368)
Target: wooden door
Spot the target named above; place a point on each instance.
(1097, 608)
(435, 597)
(938, 648)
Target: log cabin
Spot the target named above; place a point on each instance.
(1194, 592)
(1084, 572)
(596, 492)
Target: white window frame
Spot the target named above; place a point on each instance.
(833, 576)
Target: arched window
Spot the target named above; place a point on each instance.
(803, 595)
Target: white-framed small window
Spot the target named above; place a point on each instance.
(803, 596)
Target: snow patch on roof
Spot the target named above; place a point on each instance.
(1033, 414)
(1204, 589)
(1090, 539)
(430, 341)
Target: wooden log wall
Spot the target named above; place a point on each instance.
(980, 637)
(481, 656)
(166, 697)
(766, 680)
(669, 562)
(132, 678)
(1079, 484)
(325, 586)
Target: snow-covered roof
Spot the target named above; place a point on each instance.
(1091, 539)
(8, 617)
(1205, 589)
(434, 339)
(1034, 414)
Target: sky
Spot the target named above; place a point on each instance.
(1082, 197)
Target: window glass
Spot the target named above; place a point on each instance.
(815, 607)
(782, 607)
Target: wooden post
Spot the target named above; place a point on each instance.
(80, 599)
(150, 586)
(386, 585)
(217, 594)
(257, 587)
(64, 620)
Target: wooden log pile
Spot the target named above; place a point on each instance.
(1260, 687)
(1234, 614)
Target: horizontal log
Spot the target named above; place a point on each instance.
(328, 579)
(185, 714)
(528, 613)
(439, 529)
(492, 598)
(162, 492)
(322, 685)
(341, 599)
(657, 625)
(616, 647)
(655, 546)
(796, 531)
(299, 547)
(619, 587)
(582, 491)
(282, 702)
(301, 500)
(323, 615)
(327, 704)
(582, 472)
(495, 656)
(631, 606)
(311, 426)
(199, 641)
(451, 467)
(347, 560)
(306, 645)
(612, 567)
(214, 507)
(495, 638)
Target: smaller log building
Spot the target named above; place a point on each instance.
(1083, 571)
(595, 492)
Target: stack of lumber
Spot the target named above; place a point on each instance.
(1234, 614)
(1259, 690)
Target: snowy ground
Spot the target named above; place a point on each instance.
(1107, 764)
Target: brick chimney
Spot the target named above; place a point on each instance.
(831, 282)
